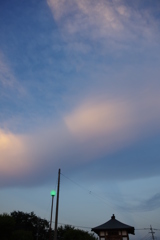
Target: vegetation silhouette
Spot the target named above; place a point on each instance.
(27, 226)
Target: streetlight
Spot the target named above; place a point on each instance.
(53, 193)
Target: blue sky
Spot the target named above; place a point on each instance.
(80, 91)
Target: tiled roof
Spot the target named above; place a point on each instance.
(113, 224)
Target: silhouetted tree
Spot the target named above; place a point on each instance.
(70, 233)
(27, 226)
(21, 235)
(7, 225)
(29, 222)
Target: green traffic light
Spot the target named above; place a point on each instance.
(53, 193)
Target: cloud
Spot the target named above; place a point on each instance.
(7, 78)
(100, 20)
(102, 125)
(115, 116)
(92, 119)
(32, 159)
(12, 154)
(149, 204)
(94, 129)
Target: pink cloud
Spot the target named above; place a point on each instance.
(12, 154)
(104, 19)
(93, 128)
(93, 119)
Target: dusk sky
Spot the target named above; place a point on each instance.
(80, 91)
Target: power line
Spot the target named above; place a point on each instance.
(147, 229)
(151, 231)
(145, 237)
(72, 225)
(91, 227)
(105, 201)
(88, 191)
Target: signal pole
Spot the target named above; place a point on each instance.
(53, 193)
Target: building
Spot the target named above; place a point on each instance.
(113, 230)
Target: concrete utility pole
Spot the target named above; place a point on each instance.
(57, 203)
(152, 232)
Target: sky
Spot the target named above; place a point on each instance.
(80, 91)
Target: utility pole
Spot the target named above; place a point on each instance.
(152, 232)
(57, 203)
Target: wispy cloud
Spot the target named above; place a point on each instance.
(93, 129)
(103, 116)
(13, 155)
(97, 118)
(7, 78)
(100, 20)
(149, 204)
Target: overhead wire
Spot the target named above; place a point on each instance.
(144, 236)
(99, 197)
(72, 225)
(88, 191)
